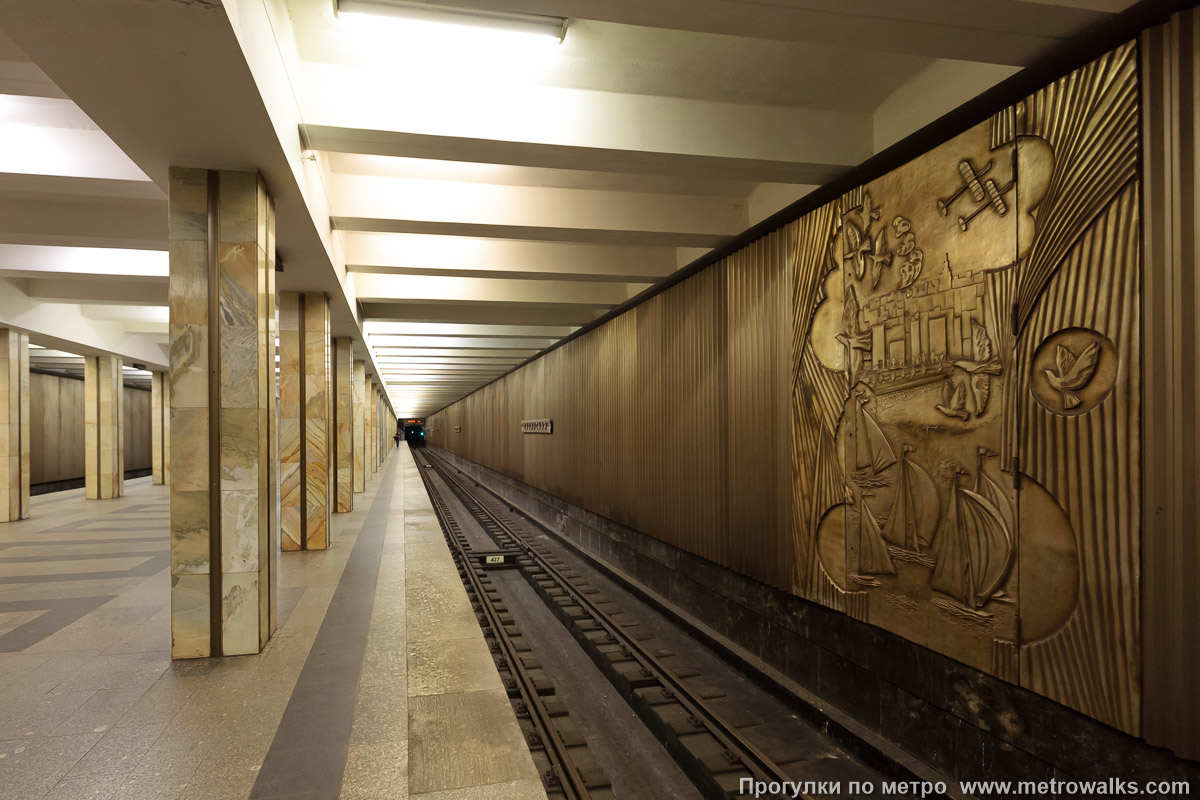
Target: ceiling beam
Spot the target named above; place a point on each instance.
(15, 185)
(26, 79)
(520, 113)
(457, 256)
(465, 203)
(63, 326)
(136, 224)
(520, 353)
(383, 343)
(498, 331)
(411, 144)
(994, 31)
(146, 292)
(449, 361)
(536, 233)
(483, 313)
(370, 287)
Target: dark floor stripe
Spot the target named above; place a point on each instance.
(58, 614)
(308, 755)
(151, 566)
(79, 556)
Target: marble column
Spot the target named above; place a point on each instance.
(343, 427)
(160, 428)
(14, 425)
(360, 426)
(371, 460)
(385, 435)
(222, 389)
(272, 403)
(104, 427)
(305, 417)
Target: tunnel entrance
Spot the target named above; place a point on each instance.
(413, 432)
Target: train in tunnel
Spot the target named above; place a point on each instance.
(413, 431)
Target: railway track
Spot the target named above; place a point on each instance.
(684, 711)
(567, 771)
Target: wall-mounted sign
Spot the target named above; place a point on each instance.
(537, 426)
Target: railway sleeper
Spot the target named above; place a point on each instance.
(568, 732)
(657, 696)
(681, 721)
(634, 675)
(706, 691)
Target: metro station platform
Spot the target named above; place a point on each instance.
(378, 680)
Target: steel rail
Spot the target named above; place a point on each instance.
(566, 773)
(757, 762)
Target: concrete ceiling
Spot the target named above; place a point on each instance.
(464, 197)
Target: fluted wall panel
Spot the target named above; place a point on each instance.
(1171, 363)
(666, 419)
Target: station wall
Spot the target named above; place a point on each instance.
(667, 419)
(56, 428)
(919, 405)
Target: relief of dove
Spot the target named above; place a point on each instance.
(857, 246)
(954, 400)
(1073, 373)
(980, 367)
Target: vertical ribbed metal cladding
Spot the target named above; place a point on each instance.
(216, 628)
(1171, 365)
(783, 255)
(666, 419)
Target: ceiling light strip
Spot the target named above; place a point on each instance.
(430, 12)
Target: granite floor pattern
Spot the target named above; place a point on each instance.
(91, 705)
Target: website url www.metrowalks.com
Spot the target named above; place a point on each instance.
(748, 787)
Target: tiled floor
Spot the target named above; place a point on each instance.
(91, 705)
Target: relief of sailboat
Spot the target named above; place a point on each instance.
(871, 448)
(987, 488)
(975, 552)
(913, 520)
(873, 558)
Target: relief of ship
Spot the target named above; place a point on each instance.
(873, 557)
(975, 549)
(871, 448)
(913, 520)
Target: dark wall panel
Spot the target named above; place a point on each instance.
(56, 451)
(137, 429)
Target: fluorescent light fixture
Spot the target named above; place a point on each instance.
(432, 12)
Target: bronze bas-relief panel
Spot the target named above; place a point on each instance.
(923, 541)
(964, 331)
